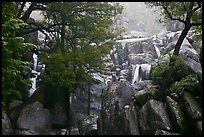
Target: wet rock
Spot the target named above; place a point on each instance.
(199, 127)
(88, 125)
(163, 132)
(194, 66)
(174, 25)
(192, 107)
(58, 116)
(153, 116)
(74, 131)
(134, 48)
(34, 117)
(144, 71)
(124, 93)
(176, 114)
(141, 58)
(26, 132)
(112, 115)
(141, 85)
(6, 125)
(148, 48)
(141, 97)
(131, 117)
(135, 59)
(14, 104)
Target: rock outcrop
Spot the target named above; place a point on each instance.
(6, 125)
(35, 117)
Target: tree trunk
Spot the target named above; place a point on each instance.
(26, 15)
(63, 34)
(68, 113)
(181, 38)
(179, 42)
(89, 98)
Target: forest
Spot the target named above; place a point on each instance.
(101, 68)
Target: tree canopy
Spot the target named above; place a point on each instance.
(14, 80)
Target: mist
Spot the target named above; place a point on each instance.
(139, 18)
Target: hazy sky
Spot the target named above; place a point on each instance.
(141, 18)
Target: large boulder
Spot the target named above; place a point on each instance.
(192, 106)
(141, 97)
(176, 114)
(35, 117)
(131, 117)
(112, 120)
(6, 125)
(124, 93)
(141, 84)
(174, 25)
(199, 128)
(26, 132)
(163, 132)
(15, 104)
(88, 125)
(154, 116)
(194, 66)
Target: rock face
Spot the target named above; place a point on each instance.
(154, 116)
(174, 25)
(58, 116)
(176, 114)
(88, 125)
(35, 117)
(132, 103)
(6, 125)
(192, 107)
(131, 115)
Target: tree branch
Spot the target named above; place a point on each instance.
(198, 6)
(170, 16)
(22, 5)
(196, 24)
(28, 12)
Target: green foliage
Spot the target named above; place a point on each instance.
(186, 84)
(13, 48)
(179, 9)
(78, 48)
(160, 72)
(164, 74)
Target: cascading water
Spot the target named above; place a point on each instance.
(157, 50)
(35, 60)
(33, 79)
(136, 74)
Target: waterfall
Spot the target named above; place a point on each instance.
(33, 79)
(116, 58)
(33, 88)
(136, 74)
(35, 59)
(157, 50)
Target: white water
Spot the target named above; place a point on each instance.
(124, 41)
(136, 74)
(33, 88)
(35, 59)
(157, 50)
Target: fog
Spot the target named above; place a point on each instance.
(136, 16)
